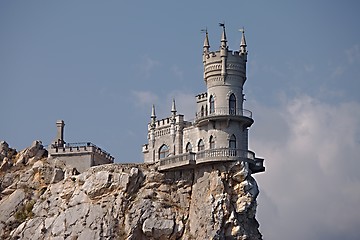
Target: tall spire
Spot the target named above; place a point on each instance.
(243, 42)
(223, 36)
(153, 115)
(206, 41)
(223, 50)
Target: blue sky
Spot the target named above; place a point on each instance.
(100, 66)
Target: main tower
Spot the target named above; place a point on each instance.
(219, 132)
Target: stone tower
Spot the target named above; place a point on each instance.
(220, 129)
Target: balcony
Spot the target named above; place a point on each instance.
(190, 160)
(225, 113)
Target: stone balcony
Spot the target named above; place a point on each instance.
(190, 159)
(225, 113)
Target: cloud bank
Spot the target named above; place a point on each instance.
(311, 187)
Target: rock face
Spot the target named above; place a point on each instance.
(128, 201)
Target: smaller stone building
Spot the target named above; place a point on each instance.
(81, 155)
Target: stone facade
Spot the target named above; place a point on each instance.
(77, 155)
(220, 130)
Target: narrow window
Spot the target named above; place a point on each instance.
(212, 104)
(201, 145)
(232, 142)
(163, 151)
(202, 111)
(188, 147)
(212, 142)
(232, 104)
(232, 146)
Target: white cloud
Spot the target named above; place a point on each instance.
(147, 66)
(145, 98)
(177, 72)
(311, 187)
(353, 54)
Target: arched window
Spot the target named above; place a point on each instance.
(212, 142)
(232, 104)
(201, 145)
(211, 104)
(188, 147)
(232, 142)
(163, 151)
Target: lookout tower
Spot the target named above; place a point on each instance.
(220, 130)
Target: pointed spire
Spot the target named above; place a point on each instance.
(243, 41)
(206, 41)
(153, 115)
(223, 36)
(173, 107)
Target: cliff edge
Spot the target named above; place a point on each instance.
(46, 200)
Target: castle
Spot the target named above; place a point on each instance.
(220, 130)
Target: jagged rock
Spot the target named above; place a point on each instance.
(215, 201)
(31, 154)
(58, 175)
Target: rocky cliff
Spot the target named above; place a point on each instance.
(46, 200)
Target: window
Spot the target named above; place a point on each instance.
(232, 146)
(163, 151)
(201, 145)
(232, 142)
(188, 147)
(212, 142)
(202, 111)
(212, 104)
(232, 104)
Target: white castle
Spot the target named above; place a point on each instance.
(220, 130)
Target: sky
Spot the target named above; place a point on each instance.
(100, 65)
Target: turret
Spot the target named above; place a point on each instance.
(152, 125)
(243, 50)
(223, 50)
(225, 75)
(173, 120)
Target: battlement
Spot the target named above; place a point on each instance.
(201, 97)
(231, 55)
(78, 148)
(166, 122)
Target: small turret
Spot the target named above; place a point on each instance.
(243, 45)
(206, 42)
(173, 120)
(223, 50)
(152, 125)
(153, 115)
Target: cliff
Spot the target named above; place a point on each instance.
(46, 200)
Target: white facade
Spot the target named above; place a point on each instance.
(220, 129)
